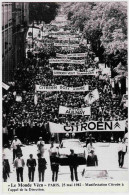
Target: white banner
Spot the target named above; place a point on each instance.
(65, 45)
(61, 88)
(68, 38)
(66, 61)
(75, 111)
(74, 73)
(65, 36)
(88, 126)
(81, 55)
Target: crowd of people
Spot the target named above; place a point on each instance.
(36, 70)
(27, 118)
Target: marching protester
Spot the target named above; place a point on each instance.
(73, 164)
(41, 167)
(40, 145)
(6, 168)
(121, 152)
(19, 164)
(31, 164)
(15, 143)
(55, 166)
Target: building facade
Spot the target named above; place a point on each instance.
(15, 21)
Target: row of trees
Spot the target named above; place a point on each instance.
(104, 24)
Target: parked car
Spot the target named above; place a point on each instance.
(64, 151)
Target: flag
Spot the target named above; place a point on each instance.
(92, 96)
(6, 87)
(35, 99)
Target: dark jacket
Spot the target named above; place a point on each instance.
(41, 163)
(6, 168)
(73, 160)
(92, 160)
(31, 163)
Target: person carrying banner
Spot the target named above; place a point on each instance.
(31, 164)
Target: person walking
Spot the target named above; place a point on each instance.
(73, 164)
(41, 167)
(6, 168)
(121, 152)
(14, 145)
(19, 165)
(55, 166)
(31, 164)
(40, 145)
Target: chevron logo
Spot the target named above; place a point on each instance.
(116, 125)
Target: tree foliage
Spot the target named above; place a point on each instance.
(45, 11)
(104, 24)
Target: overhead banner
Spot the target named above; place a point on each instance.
(66, 61)
(68, 38)
(73, 73)
(65, 45)
(65, 36)
(92, 126)
(61, 88)
(81, 55)
(75, 111)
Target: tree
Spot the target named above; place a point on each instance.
(43, 11)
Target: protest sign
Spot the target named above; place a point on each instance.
(74, 111)
(61, 88)
(92, 126)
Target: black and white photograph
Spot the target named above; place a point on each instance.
(64, 94)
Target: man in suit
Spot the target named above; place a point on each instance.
(19, 164)
(31, 164)
(73, 164)
(41, 167)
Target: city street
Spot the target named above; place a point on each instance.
(107, 155)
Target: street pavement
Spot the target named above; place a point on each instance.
(107, 165)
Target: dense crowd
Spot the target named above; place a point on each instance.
(25, 114)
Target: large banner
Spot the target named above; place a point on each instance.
(68, 38)
(74, 111)
(66, 61)
(72, 55)
(92, 126)
(73, 73)
(65, 45)
(65, 36)
(61, 88)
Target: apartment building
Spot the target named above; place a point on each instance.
(15, 21)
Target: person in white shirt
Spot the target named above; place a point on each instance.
(90, 147)
(121, 152)
(41, 146)
(14, 145)
(19, 164)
